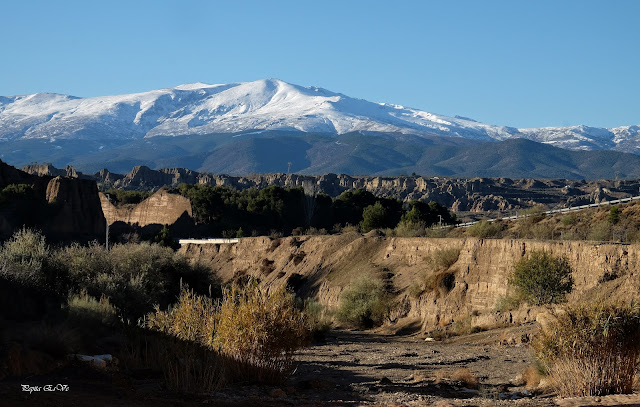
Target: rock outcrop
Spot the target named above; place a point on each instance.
(162, 208)
(473, 195)
(62, 207)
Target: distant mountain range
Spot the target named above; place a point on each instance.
(273, 126)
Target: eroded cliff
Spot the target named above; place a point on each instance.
(323, 266)
(162, 208)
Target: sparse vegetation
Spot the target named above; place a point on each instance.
(443, 259)
(508, 303)
(126, 197)
(542, 278)
(592, 350)
(485, 229)
(365, 303)
(600, 231)
(442, 282)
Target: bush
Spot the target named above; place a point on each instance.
(318, 322)
(542, 278)
(592, 350)
(86, 309)
(373, 217)
(193, 318)
(508, 303)
(569, 220)
(133, 276)
(365, 304)
(26, 259)
(485, 229)
(257, 332)
(260, 331)
(614, 215)
(600, 231)
(410, 229)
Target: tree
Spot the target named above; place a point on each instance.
(614, 215)
(373, 216)
(542, 278)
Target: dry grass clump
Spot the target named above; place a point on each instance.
(83, 307)
(261, 330)
(187, 367)
(592, 350)
(532, 377)
(439, 277)
(462, 376)
(442, 259)
(193, 318)
(255, 331)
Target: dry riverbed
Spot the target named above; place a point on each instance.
(348, 368)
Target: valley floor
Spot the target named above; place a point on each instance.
(348, 368)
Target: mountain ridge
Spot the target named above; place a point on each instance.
(268, 104)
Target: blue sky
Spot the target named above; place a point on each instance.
(516, 63)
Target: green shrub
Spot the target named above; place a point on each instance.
(120, 196)
(16, 192)
(542, 278)
(614, 215)
(569, 220)
(592, 350)
(485, 229)
(373, 217)
(410, 229)
(365, 303)
(133, 276)
(26, 259)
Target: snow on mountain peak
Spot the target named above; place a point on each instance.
(267, 104)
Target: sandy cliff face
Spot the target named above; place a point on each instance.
(161, 208)
(79, 210)
(324, 265)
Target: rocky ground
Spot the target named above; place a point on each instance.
(347, 369)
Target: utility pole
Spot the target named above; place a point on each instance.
(106, 242)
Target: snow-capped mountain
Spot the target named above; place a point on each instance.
(200, 109)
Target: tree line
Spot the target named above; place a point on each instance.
(291, 210)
